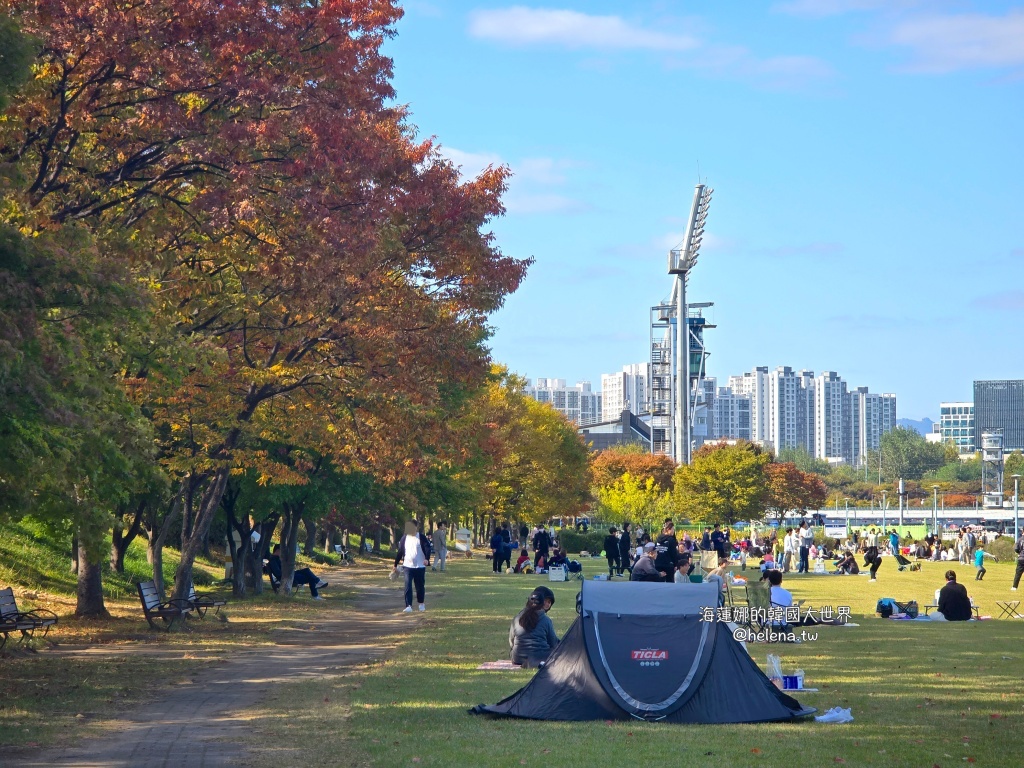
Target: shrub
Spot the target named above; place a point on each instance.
(1002, 549)
(575, 541)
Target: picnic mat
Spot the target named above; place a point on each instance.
(500, 664)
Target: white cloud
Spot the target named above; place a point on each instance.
(530, 186)
(966, 41)
(1005, 301)
(520, 25)
(470, 163)
(838, 7)
(542, 202)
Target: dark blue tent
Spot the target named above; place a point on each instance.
(640, 650)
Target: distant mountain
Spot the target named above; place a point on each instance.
(922, 426)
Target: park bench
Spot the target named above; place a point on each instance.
(26, 622)
(201, 602)
(167, 611)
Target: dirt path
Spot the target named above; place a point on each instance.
(199, 724)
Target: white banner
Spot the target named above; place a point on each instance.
(835, 530)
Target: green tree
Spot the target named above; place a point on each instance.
(723, 483)
(634, 499)
(906, 454)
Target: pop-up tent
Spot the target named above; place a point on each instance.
(640, 650)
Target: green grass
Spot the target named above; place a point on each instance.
(921, 694)
(48, 698)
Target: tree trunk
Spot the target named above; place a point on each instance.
(74, 553)
(90, 588)
(158, 538)
(122, 538)
(377, 539)
(345, 538)
(310, 536)
(362, 540)
(200, 528)
(290, 518)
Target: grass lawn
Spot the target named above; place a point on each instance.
(921, 694)
(48, 698)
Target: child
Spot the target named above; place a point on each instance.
(524, 558)
(979, 562)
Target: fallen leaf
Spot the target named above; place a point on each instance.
(756, 751)
(838, 760)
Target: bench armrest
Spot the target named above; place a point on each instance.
(41, 614)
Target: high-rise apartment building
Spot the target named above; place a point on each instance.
(831, 418)
(578, 403)
(1000, 405)
(805, 411)
(731, 415)
(755, 384)
(783, 409)
(956, 425)
(871, 416)
(627, 390)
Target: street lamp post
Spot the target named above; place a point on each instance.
(884, 505)
(1016, 507)
(935, 509)
(847, 500)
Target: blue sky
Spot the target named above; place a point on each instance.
(866, 158)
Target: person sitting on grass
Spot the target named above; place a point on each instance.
(524, 560)
(300, 577)
(954, 603)
(532, 638)
(783, 598)
(643, 568)
(847, 565)
(558, 559)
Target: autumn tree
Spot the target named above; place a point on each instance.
(609, 465)
(317, 267)
(906, 454)
(786, 488)
(723, 483)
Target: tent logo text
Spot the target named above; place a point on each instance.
(649, 654)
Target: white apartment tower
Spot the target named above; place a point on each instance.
(578, 403)
(805, 411)
(783, 397)
(629, 389)
(831, 411)
(871, 417)
(755, 385)
(732, 415)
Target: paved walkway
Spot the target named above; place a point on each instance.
(199, 723)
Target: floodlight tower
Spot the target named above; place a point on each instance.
(680, 262)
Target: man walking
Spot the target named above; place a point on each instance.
(440, 546)
(625, 548)
(414, 555)
(611, 551)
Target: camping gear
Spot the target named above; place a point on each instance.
(902, 564)
(641, 650)
(557, 573)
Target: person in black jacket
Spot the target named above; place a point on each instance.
(625, 550)
(611, 551)
(1019, 549)
(506, 545)
(954, 603)
(666, 549)
(299, 577)
(872, 560)
(541, 545)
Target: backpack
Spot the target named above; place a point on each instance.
(886, 606)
